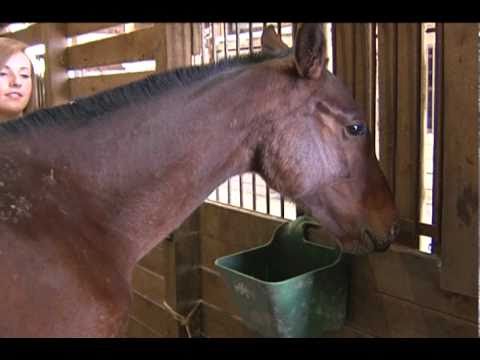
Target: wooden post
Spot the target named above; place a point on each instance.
(387, 104)
(407, 151)
(344, 54)
(355, 65)
(56, 79)
(460, 159)
(175, 49)
(364, 81)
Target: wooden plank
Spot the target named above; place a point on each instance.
(364, 82)
(460, 162)
(416, 279)
(149, 284)
(31, 35)
(407, 152)
(57, 91)
(136, 329)
(136, 46)
(196, 38)
(215, 291)
(151, 314)
(86, 86)
(239, 229)
(387, 104)
(379, 314)
(344, 54)
(218, 324)
(75, 29)
(178, 45)
(156, 260)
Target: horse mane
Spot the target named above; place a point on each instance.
(82, 111)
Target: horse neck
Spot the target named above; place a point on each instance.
(150, 166)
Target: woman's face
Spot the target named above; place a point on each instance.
(15, 86)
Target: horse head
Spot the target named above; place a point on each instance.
(320, 152)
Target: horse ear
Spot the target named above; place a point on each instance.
(310, 51)
(271, 42)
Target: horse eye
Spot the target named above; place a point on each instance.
(356, 129)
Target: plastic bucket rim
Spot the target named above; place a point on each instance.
(281, 282)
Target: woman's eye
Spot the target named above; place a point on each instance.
(356, 129)
(25, 76)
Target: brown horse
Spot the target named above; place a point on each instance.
(88, 188)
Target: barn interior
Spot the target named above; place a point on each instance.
(418, 86)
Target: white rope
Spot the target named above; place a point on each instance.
(183, 320)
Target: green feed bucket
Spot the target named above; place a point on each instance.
(289, 287)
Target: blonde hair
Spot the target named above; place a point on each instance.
(9, 47)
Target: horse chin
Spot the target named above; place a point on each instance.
(366, 244)
(362, 245)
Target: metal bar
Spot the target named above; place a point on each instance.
(225, 51)
(214, 50)
(267, 197)
(250, 37)
(279, 29)
(237, 40)
(282, 206)
(237, 51)
(373, 82)
(427, 230)
(411, 228)
(254, 185)
(437, 200)
(254, 192)
(228, 192)
(201, 45)
(241, 190)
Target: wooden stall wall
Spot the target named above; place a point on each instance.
(400, 293)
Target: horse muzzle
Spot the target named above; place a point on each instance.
(379, 245)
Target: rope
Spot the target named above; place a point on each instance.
(183, 320)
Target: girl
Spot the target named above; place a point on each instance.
(17, 80)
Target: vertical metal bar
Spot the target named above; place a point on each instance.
(250, 38)
(254, 185)
(241, 190)
(214, 50)
(201, 44)
(373, 82)
(267, 196)
(237, 50)
(279, 29)
(228, 192)
(237, 39)
(254, 192)
(225, 55)
(438, 95)
(225, 51)
(282, 206)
